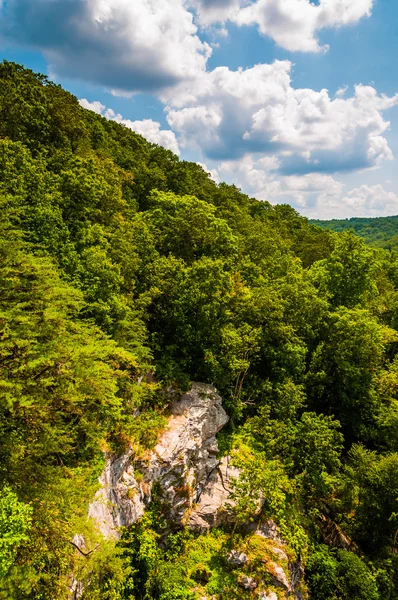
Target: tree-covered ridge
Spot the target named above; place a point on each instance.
(118, 260)
(381, 232)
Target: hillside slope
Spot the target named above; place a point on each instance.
(125, 271)
(381, 232)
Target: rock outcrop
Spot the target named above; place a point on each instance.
(181, 465)
(237, 559)
(213, 507)
(194, 488)
(261, 562)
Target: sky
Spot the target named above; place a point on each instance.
(294, 101)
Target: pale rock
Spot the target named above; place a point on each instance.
(297, 576)
(181, 464)
(268, 596)
(279, 553)
(278, 574)
(248, 583)
(269, 530)
(237, 559)
(120, 500)
(213, 507)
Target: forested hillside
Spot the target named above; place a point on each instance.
(381, 232)
(125, 270)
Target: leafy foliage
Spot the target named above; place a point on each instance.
(121, 266)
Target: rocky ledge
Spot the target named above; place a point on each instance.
(194, 488)
(181, 465)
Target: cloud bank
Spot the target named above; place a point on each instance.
(292, 24)
(126, 45)
(148, 128)
(229, 114)
(149, 45)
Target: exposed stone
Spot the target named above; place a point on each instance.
(333, 534)
(269, 530)
(278, 574)
(267, 595)
(237, 559)
(247, 583)
(214, 506)
(193, 486)
(120, 501)
(297, 577)
(181, 464)
(279, 553)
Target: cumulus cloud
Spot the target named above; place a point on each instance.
(254, 177)
(370, 200)
(210, 12)
(95, 106)
(212, 172)
(292, 24)
(260, 179)
(148, 128)
(328, 199)
(139, 45)
(334, 202)
(229, 114)
(149, 45)
(316, 195)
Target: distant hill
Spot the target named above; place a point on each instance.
(381, 232)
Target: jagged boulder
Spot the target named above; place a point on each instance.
(237, 559)
(213, 507)
(247, 583)
(181, 464)
(278, 575)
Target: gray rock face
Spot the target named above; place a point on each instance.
(281, 555)
(213, 506)
(247, 583)
(194, 488)
(279, 576)
(120, 501)
(237, 559)
(269, 530)
(288, 575)
(181, 464)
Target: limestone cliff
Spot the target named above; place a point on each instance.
(180, 465)
(194, 488)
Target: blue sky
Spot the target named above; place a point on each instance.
(293, 100)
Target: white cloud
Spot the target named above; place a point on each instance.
(148, 45)
(212, 172)
(328, 199)
(215, 11)
(316, 195)
(95, 106)
(147, 128)
(229, 114)
(259, 179)
(334, 203)
(371, 201)
(127, 45)
(256, 178)
(292, 24)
